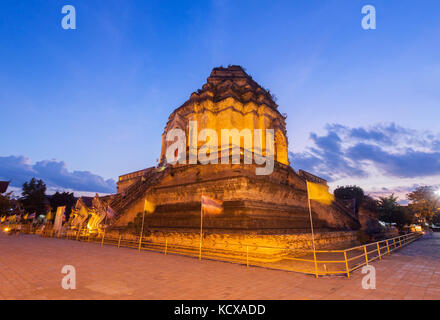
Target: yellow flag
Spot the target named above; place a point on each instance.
(25, 216)
(49, 216)
(149, 206)
(319, 192)
(3, 219)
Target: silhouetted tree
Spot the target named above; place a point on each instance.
(391, 212)
(424, 203)
(34, 197)
(370, 204)
(59, 199)
(350, 193)
(387, 206)
(402, 216)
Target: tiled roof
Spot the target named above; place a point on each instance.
(231, 82)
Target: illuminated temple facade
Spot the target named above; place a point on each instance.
(229, 100)
(275, 203)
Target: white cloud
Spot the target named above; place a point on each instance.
(382, 159)
(55, 174)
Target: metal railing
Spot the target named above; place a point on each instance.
(356, 257)
(318, 262)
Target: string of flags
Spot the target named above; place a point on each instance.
(17, 217)
(109, 214)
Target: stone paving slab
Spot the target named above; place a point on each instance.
(30, 268)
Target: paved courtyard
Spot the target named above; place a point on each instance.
(30, 268)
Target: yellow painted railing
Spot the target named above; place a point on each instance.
(317, 263)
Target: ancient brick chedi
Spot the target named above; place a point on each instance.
(274, 203)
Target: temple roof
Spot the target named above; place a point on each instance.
(234, 82)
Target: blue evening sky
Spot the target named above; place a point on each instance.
(98, 98)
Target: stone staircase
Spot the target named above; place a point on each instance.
(341, 207)
(121, 202)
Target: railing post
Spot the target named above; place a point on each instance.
(366, 255)
(166, 246)
(378, 250)
(394, 241)
(400, 242)
(247, 256)
(346, 264)
(102, 241)
(388, 248)
(140, 243)
(119, 241)
(316, 264)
